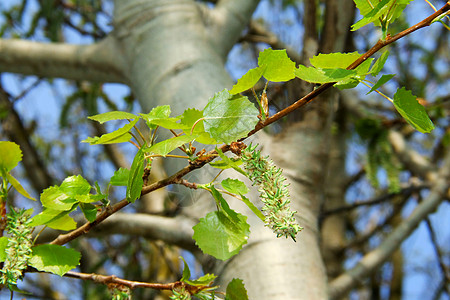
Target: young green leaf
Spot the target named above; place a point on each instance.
(54, 198)
(118, 136)
(229, 118)
(380, 9)
(157, 113)
(379, 64)
(113, 115)
(220, 236)
(55, 259)
(234, 186)
(380, 82)
(10, 155)
(165, 147)
(314, 75)
(16, 184)
(89, 211)
(55, 219)
(120, 177)
(168, 123)
(278, 67)
(253, 208)
(248, 80)
(413, 112)
(204, 280)
(236, 290)
(75, 185)
(334, 60)
(186, 271)
(222, 203)
(135, 180)
(191, 118)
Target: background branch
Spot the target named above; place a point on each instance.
(372, 260)
(96, 62)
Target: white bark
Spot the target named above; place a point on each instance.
(100, 62)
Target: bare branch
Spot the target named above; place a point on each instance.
(410, 158)
(96, 62)
(116, 281)
(372, 260)
(440, 256)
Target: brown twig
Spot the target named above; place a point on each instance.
(114, 280)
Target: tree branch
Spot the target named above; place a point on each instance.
(372, 260)
(440, 256)
(96, 62)
(113, 281)
(175, 231)
(415, 162)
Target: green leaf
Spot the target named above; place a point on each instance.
(236, 290)
(113, 115)
(278, 67)
(379, 64)
(16, 184)
(218, 235)
(380, 9)
(222, 203)
(234, 186)
(10, 155)
(118, 136)
(55, 259)
(99, 196)
(135, 180)
(253, 208)
(169, 123)
(204, 280)
(120, 177)
(55, 219)
(248, 80)
(75, 185)
(324, 75)
(380, 82)
(56, 199)
(65, 222)
(186, 271)
(120, 139)
(165, 147)
(3, 245)
(157, 113)
(228, 118)
(227, 163)
(334, 60)
(190, 118)
(89, 211)
(363, 69)
(410, 109)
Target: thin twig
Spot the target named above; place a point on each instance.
(440, 256)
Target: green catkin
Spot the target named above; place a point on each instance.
(18, 250)
(273, 192)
